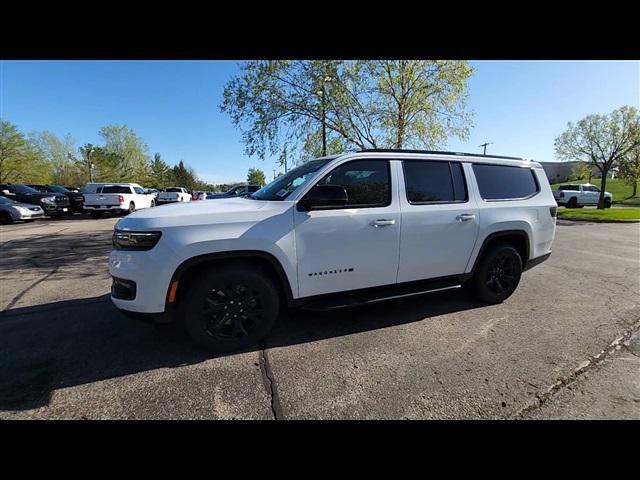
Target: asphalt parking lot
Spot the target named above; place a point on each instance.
(566, 345)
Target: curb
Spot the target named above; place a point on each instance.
(597, 220)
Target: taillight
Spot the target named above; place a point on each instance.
(553, 211)
(120, 199)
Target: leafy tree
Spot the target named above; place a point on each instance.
(602, 140)
(256, 177)
(159, 172)
(20, 160)
(581, 170)
(123, 142)
(58, 153)
(629, 169)
(181, 176)
(380, 103)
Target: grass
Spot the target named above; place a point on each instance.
(620, 190)
(608, 215)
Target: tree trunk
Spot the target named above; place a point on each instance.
(603, 184)
(635, 188)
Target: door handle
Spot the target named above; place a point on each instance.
(382, 223)
(465, 216)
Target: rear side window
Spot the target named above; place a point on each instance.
(568, 187)
(116, 189)
(434, 182)
(138, 190)
(591, 189)
(500, 182)
(366, 182)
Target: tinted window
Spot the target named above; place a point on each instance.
(253, 188)
(591, 189)
(366, 182)
(22, 189)
(173, 190)
(568, 187)
(138, 190)
(498, 182)
(116, 189)
(429, 181)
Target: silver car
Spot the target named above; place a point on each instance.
(11, 210)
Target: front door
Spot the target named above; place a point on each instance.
(355, 246)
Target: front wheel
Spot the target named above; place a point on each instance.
(5, 218)
(230, 309)
(607, 203)
(497, 275)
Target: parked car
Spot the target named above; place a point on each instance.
(235, 191)
(174, 194)
(11, 211)
(73, 189)
(52, 204)
(117, 198)
(93, 187)
(337, 231)
(578, 195)
(152, 191)
(76, 200)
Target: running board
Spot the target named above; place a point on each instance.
(378, 294)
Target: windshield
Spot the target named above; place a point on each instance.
(24, 189)
(6, 201)
(58, 189)
(288, 183)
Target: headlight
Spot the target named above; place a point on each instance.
(125, 240)
(49, 199)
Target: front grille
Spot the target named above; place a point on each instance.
(63, 201)
(123, 289)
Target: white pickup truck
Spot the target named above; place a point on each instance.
(117, 198)
(578, 195)
(174, 194)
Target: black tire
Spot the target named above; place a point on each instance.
(572, 203)
(132, 208)
(497, 275)
(230, 309)
(153, 203)
(5, 218)
(96, 215)
(607, 203)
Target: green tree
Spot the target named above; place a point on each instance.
(629, 169)
(181, 176)
(20, 160)
(132, 150)
(581, 170)
(301, 105)
(59, 154)
(256, 177)
(602, 140)
(159, 172)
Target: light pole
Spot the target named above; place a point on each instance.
(89, 152)
(485, 147)
(323, 94)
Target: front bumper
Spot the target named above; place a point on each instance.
(56, 209)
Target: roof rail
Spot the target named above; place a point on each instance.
(461, 154)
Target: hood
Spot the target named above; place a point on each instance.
(224, 211)
(30, 206)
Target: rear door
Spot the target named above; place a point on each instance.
(439, 220)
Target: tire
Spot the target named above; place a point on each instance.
(497, 275)
(572, 203)
(5, 218)
(207, 307)
(96, 215)
(607, 203)
(153, 203)
(132, 208)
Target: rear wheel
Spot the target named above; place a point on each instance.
(572, 203)
(132, 207)
(607, 203)
(230, 309)
(497, 275)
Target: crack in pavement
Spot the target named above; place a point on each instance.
(585, 366)
(270, 385)
(17, 298)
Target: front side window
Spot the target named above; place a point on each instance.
(138, 190)
(434, 181)
(367, 182)
(591, 189)
(501, 182)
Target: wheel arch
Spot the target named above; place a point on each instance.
(188, 270)
(518, 238)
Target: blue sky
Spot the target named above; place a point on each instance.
(520, 106)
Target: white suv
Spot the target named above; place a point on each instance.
(336, 231)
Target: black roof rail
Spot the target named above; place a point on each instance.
(436, 152)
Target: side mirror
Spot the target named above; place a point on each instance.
(323, 197)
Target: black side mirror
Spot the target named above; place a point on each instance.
(323, 197)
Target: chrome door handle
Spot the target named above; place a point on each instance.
(382, 223)
(465, 216)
